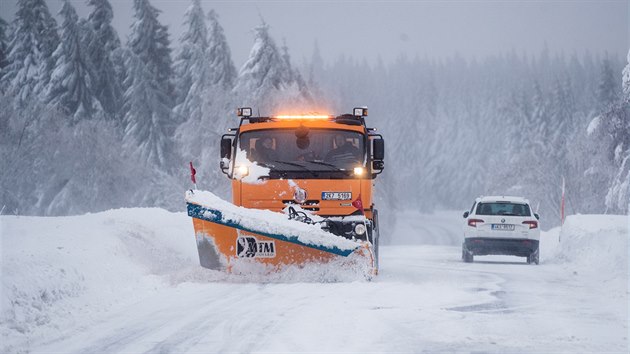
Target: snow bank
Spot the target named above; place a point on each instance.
(57, 269)
(270, 222)
(60, 272)
(595, 244)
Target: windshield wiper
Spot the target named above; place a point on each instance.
(296, 164)
(325, 164)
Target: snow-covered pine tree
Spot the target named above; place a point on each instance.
(626, 81)
(101, 19)
(539, 120)
(107, 82)
(263, 80)
(292, 75)
(287, 70)
(149, 42)
(316, 69)
(207, 107)
(222, 70)
(49, 41)
(70, 88)
(148, 97)
(263, 72)
(147, 119)
(618, 196)
(191, 58)
(33, 40)
(607, 86)
(4, 45)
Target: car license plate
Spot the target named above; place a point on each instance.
(336, 195)
(503, 227)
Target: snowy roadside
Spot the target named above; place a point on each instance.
(75, 272)
(58, 270)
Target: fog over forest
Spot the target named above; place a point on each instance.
(94, 120)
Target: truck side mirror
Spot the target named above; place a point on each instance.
(466, 214)
(226, 148)
(378, 165)
(537, 216)
(378, 149)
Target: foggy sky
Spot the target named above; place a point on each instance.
(387, 29)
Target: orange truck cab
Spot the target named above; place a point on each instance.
(321, 164)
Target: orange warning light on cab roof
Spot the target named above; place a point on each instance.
(303, 116)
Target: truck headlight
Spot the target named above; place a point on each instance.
(242, 171)
(359, 171)
(359, 229)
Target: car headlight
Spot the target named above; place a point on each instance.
(359, 229)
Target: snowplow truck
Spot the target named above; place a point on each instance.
(302, 192)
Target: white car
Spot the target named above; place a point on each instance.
(501, 226)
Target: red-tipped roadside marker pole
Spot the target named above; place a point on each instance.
(193, 172)
(562, 204)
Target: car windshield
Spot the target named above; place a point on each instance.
(304, 149)
(503, 208)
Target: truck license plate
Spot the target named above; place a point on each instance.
(503, 227)
(336, 195)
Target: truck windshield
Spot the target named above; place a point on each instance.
(303, 149)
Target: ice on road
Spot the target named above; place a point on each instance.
(131, 283)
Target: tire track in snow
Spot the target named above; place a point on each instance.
(130, 328)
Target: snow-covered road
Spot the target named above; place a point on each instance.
(425, 298)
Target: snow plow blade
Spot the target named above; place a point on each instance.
(241, 240)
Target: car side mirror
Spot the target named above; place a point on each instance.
(378, 149)
(466, 214)
(537, 216)
(226, 148)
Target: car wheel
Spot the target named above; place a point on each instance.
(533, 258)
(467, 256)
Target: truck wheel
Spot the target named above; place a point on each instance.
(375, 237)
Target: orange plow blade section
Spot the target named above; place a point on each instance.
(239, 240)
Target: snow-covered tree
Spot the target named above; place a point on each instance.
(101, 19)
(287, 70)
(147, 119)
(192, 55)
(49, 41)
(292, 75)
(150, 44)
(71, 88)
(626, 80)
(316, 68)
(102, 48)
(4, 45)
(607, 87)
(265, 79)
(612, 131)
(618, 196)
(206, 63)
(263, 72)
(539, 119)
(148, 97)
(34, 38)
(222, 70)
